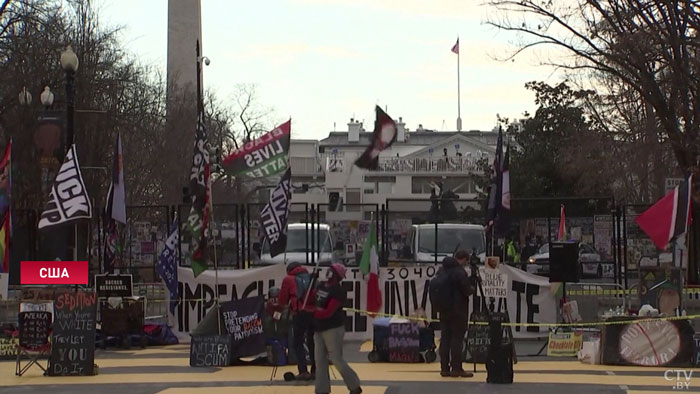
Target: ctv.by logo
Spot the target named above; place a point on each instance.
(681, 377)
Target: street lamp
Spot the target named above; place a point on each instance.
(46, 97)
(69, 62)
(25, 98)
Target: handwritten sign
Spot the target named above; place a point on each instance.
(8, 348)
(494, 282)
(478, 339)
(73, 341)
(403, 342)
(243, 320)
(564, 344)
(210, 351)
(34, 329)
(113, 286)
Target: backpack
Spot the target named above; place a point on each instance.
(440, 291)
(303, 283)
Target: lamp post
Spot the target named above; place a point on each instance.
(69, 62)
(25, 98)
(46, 98)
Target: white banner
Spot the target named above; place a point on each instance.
(404, 289)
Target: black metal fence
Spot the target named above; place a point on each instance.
(608, 228)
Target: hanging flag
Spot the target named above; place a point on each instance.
(562, 224)
(266, 156)
(200, 189)
(68, 199)
(455, 47)
(274, 215)
(670, 217)
(370, 265)
(503, 214)
(383, 136)
(5, 193)
(116, 201)
(167, 265)
(111, 247)
(495, 190)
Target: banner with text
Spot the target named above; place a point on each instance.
(263, 157)
(405, 289)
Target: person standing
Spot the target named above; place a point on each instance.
(330, 329)
(450, 291)
(293, 293)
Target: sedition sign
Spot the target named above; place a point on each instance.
(113, 286)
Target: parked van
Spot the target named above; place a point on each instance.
(297, 246)
(450, 238)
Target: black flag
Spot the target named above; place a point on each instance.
(274, 215)
(383, 136)
(68, 199)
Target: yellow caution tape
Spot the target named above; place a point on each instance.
(591, 324)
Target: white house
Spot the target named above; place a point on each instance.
(406, 170)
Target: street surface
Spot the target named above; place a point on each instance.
(166, 370)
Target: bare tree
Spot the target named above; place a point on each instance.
(649, 45)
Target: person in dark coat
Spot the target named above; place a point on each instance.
(453, 321)
(302, 309)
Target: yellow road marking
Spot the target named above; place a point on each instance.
(265, 390)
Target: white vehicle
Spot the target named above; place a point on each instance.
(297, 245)
(450, 238)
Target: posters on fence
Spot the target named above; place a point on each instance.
(243, 321)
(404, 289)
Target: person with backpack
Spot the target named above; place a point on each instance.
(293, 293)
(330, 329)
(449, 295)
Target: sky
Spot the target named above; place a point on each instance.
(322, 62)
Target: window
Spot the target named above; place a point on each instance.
(353, 199)
(451, 239)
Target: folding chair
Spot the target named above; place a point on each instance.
(33, 341)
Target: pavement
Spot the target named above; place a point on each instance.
(166, 370)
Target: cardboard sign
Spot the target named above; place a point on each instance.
(8, 348)
(113, 286)
(34, 329)
(210, 351)
(403, 342)
(494, 283)
(564, 344)
(73, 340)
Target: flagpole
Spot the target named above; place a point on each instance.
(459, 111)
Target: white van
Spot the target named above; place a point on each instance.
(450, 238)
(297, 246)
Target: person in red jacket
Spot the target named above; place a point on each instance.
(330, 329)
(294, 290)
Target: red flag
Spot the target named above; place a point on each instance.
(455, 47)
(562, 224)
(670, 216)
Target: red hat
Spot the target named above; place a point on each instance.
(338, 269)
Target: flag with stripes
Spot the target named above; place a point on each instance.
(670, 217)
(68, 199)
(274, 215)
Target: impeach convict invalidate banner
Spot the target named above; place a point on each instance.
(263, 157)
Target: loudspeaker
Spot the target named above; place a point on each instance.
(563, 262)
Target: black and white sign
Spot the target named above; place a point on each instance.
(73, 341)
(243, 321)
(113, 286)
(34, 329)
(494, 283)
(210, 351)
(275, 213)
(68, 199)
(404, 289)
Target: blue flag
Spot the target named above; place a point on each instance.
(167, 266)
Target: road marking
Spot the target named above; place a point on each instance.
(264, 390)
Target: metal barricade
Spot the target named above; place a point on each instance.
(596, 299)
(156, 302)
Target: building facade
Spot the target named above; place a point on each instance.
(324, 174)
